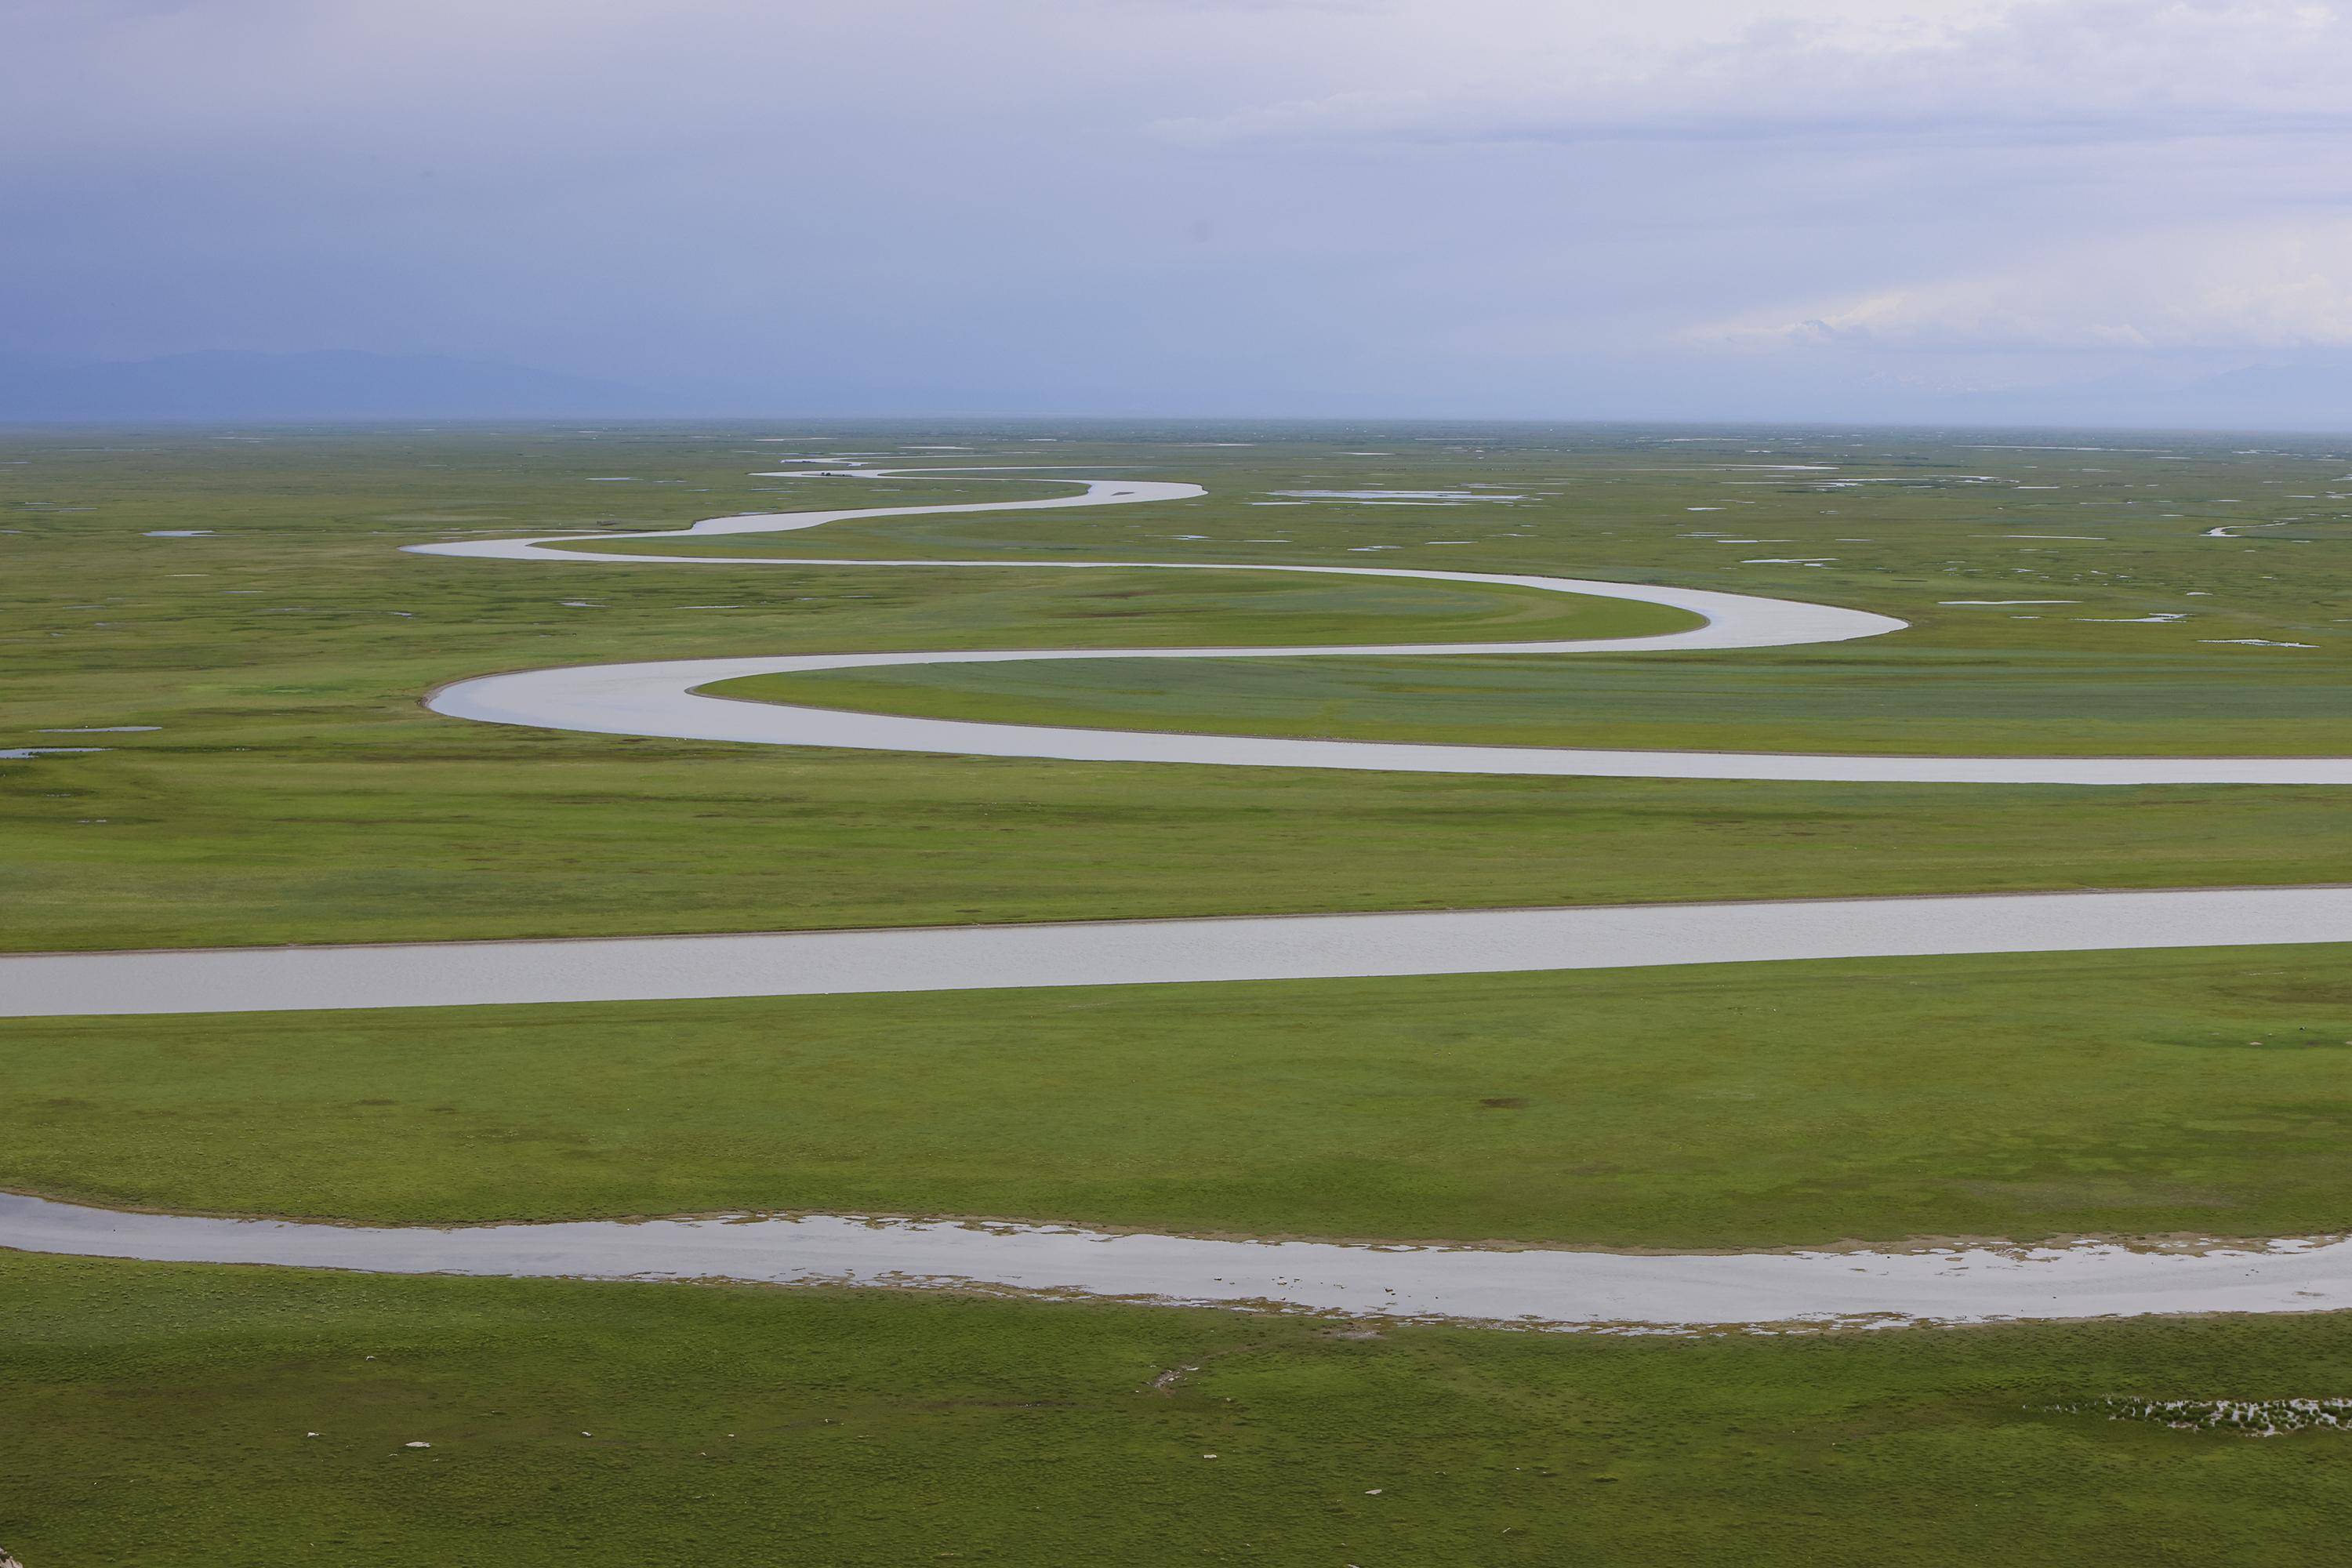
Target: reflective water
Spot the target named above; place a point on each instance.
(1562, 1289)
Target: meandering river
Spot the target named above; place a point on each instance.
(1562, 1288)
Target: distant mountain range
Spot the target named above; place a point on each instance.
(329, 384)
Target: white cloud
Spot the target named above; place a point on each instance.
(2281, 286)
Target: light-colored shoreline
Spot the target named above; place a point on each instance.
(1531, 1287)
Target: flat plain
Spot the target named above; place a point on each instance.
(230, 622)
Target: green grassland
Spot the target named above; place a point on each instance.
(294, 791)
(1715, 1107)
(391, 824)
(1941, 701)
(159, 1416)
(2084, 671)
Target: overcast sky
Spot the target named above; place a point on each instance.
(1546, 207)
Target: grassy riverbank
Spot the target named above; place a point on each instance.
(291, 789)
(2062, 602)
(161, 1415)
(1724, 1107)
(1865, 697)
(403, 826)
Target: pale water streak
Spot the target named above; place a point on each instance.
(1144, 953)
(1534, 1286)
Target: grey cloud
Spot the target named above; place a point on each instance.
(930, 205)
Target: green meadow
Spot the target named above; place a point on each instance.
(1727, 1106)
(291, 788)
(1942, 700)
(226, 616)
(2135, 632)
(163, 1414)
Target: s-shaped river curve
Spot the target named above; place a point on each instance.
(660, 698)
(1556, 1288)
